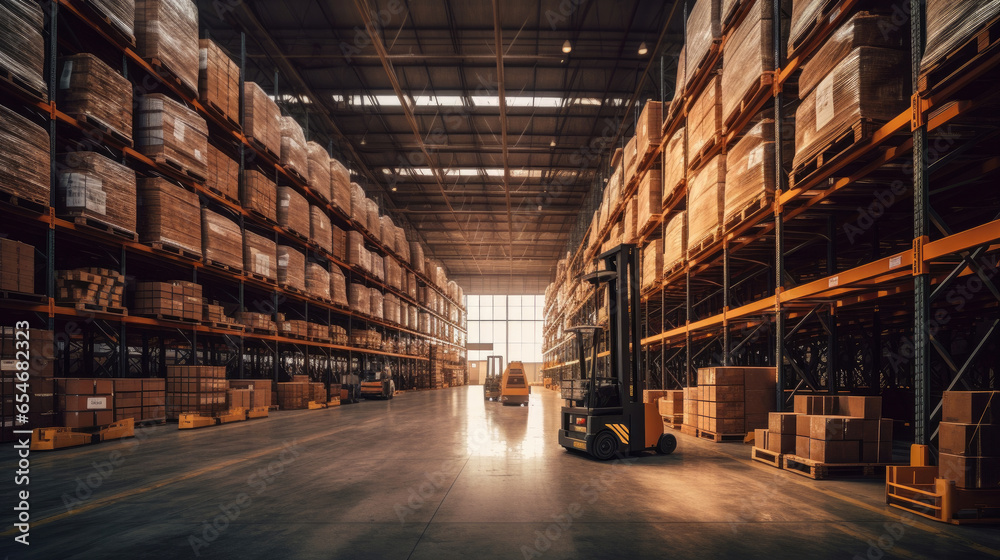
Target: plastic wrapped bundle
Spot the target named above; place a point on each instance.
(805, 14)
(319, 228)
(951, 23)
(414, 317)
(677, 103)
(294, 154)
(260, 196)
(390, 309)
(674, 164)
(361, 302)
(359, 207)
(705, 118)
(675, 242)
(704, 26)
(339, 243)
(870, 83)
(629, 163)
(319, 170)
(169, 215)
(24, 160)
(291, 268)
(167, 131)
(749, 54)
(221, 240)
(167, 31)
(218, 81)
(121, 14)
(393, 273)
(262, 119)
(647, 131)
(388, 235)
(750, 169)
(652, 264)
(402, 245)
(338, 286)
(22, 48)
(260, 255)
(411, 285)
(378, 266)
(90, 90)
(338, 335)
(373, 221)
(223, 173)
(861, 30)
(356, 253)
(650, 200)
(706, 201)
(340, 187)
(377, 304)
(293, 211)
(317, 280)
(417, 257)
(93, 186)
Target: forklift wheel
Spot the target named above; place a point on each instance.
(666, 445)
(604, 446)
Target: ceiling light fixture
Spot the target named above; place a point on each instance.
(642, 48)
(552, 144)
(362, 140)
(393, 189)
(567, 47)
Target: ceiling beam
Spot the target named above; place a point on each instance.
(502, 106)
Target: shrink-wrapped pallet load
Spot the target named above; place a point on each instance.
(340, 186)
(294, 154)
(650, 200)
(291, 268)
(359, 207)
(221, 240)
(750, 170)
(674, 164)
(704, 27)
(869, 84)
(120, 13)
(168, 215)
(393, 273)
(749, 54)
(652, 264)
(629, 163)
(89, 90)
(260, 255)
(338, 286)
(377, 304)
(339, 243)
(22, 48)
(706, 200)
(361, 301)
(260, 195)
(373, 221)
(356, 253)
(417, 257)
(704, 121)
(317, 280)
(223, 173)
(293, 211)
(631, 218)
(647, 130)
(805, 16)
(677, 103)
(171, 134)
(388, 233)
(92, 186)
(262, 119)
(378, 266)
(319, 228)
(218, 81)
(319, 170)
(166, 31)
(391, 312)
(950, 24)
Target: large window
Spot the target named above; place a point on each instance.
(512, 323)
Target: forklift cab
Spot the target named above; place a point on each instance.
(605, 415)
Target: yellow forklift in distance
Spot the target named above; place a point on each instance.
(494, 374)
(514, 388)
(605, 416)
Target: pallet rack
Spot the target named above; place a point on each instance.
(844, 280)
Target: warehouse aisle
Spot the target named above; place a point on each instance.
(441, 474)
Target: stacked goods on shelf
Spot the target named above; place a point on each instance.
(671, 408)
(366, 338)
(949, 24)
(378, 266)
(218, 81)
(171, 134)
(360, 300)
(41, 387)
(703, 30)
(317, 330)
(166, 33)
(319, 228)
(359, 209)
(169, 300)
(260, 391)
(221, 240)
(90, 287)
(293, 395)
(969, 439)
(24, 161)
(704, 121)
(143, 400)
(214, 313)
(291, 268)
(629, 164)
(869, 85)
(706, 200)
(92, 186)
(294, 154)
(650, 197)
(417, 257)
(89, 90)
(677, 103)
(411, 285)
(391, 309)
(674, 164)
(262, 119)
(260, 256)
(17, 266)
(393, 274)
(260, 195)
(317, 280)
(388, 232)
(293, 327)
(339, 243)
(196, 390)
(357, 255)
(169, 215)
(338, 286)
(750, 55)
(256, 321)
(377, 305)
(734, 400)
(340, 186)
(648, 129)
(652, 264)
(239, 399)
(22, 48)
(319, 170)
(85, 403)
(831, 429)
(750, 170)
(805, 13)
(373, 222)
(293, 211)
(223, 174)
(121, 14)
(317, 393)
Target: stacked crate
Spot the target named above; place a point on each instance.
(317, 280)
(319, 170)
(262, 119)
(706, 202)
(294, 154)
(671, 408)
(22, 47)
(830, 429)
(256, 321)
(291, 268)
(171, 300)
(733, 400)
(338, 286)
(293, 327)
(143, 400)
(85, 403)
(260, 391)
(218, 81)
(340, 186)
(166, 33)
(92, 186)
(90, 91)
(222, 240)
(260, 256)
(90, 288)
(216, 314)
(969, 439)
(17, 266)
(170, 215)
(338, 335)
(223, 174)
(293, 211)
(239, 399)
(195, 390)
(294, 395)
(171, 134)
(24, 161)
(320, 229)
(260, 195)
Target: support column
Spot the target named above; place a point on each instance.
(921, 282)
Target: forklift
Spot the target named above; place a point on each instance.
(514, 390)
(605, 416)
(494, 371)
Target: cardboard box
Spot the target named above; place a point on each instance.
(87, 419)
(842, 451)
(651, 396)
(802, 447)
(729, 410)
(826, 428)
(782, 422)
(668, 407)
(783, 443)
(854, 428)
(759, 401)
(81, 386)
(971, 407)
(760, 438)
(969, 439)
(970, 472)
(860, 407)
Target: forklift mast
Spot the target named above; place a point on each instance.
(623, 318)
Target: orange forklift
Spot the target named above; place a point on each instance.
(604, 416)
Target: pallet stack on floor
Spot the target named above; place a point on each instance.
(729, 402)
(142, 399)
(671, 407)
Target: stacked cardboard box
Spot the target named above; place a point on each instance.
(93, 186)
(216, 313)
(969, 439)
(366, 338)
(652, 264)
(218, 80)
(704, 122)
(750, 169)
(831, 429)
(256, 321)
(168, 132)
(647, 130)
(359, 207)
(360, 300)
(167, 31)
(734, 400)
(196, 390)
(223, 174)
(338, 335)
(357, 255)
(260, 391)
(675, 240)
(293, 327)
(629, 163)
(22, 48)
(674, 164)
(260, 195)
(294, 395)
(704, 27)
(24, 161)
(391, 309)
(169, 215)
(85, 403)
(260, 255)
(320, 230)
(17, 266)
(319, 170)
(750, 53)
(340, 186)
(175, 299)
(143, 400)
(671, 407)
(706, 202)
(377, 305)
(90, 286)
(221, 240)
(239, 399)
(317, 280)
(949, 24)
(262, 119)
(294, 154)
(317, 330)
(291, 268)
(293, 211)
(650, 197)
(338, 286)
(90, 90)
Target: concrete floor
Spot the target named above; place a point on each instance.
(441, 474)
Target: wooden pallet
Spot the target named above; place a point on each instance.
(19, 87)
(701, 158)
(177, 168)
(92, 223)
(821, 18)
(758, 205)
(696, 249)
(256, 144)
(175, 250)
(93, 124)
(767, 457)
(97, 16)
(689, 430)
(172, 318)
(289, 288)
(262, 331)
(700, 66)
(819, 471)
(259, 412)
(266, 219)
(848, 140)
(918, 490)
(94, 308)
(761, 89)
(220, 116)
(168, 76)
(221, 266)
(236, 327)
(977, 49)
(736, 15)
(34, 205)
(223, 195)
(11, 296)
(719, 438)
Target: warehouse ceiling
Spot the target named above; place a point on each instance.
(490, 163)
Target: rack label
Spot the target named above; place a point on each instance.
(824, 101)
(834, 282)
(97, 403)
(895, 261)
